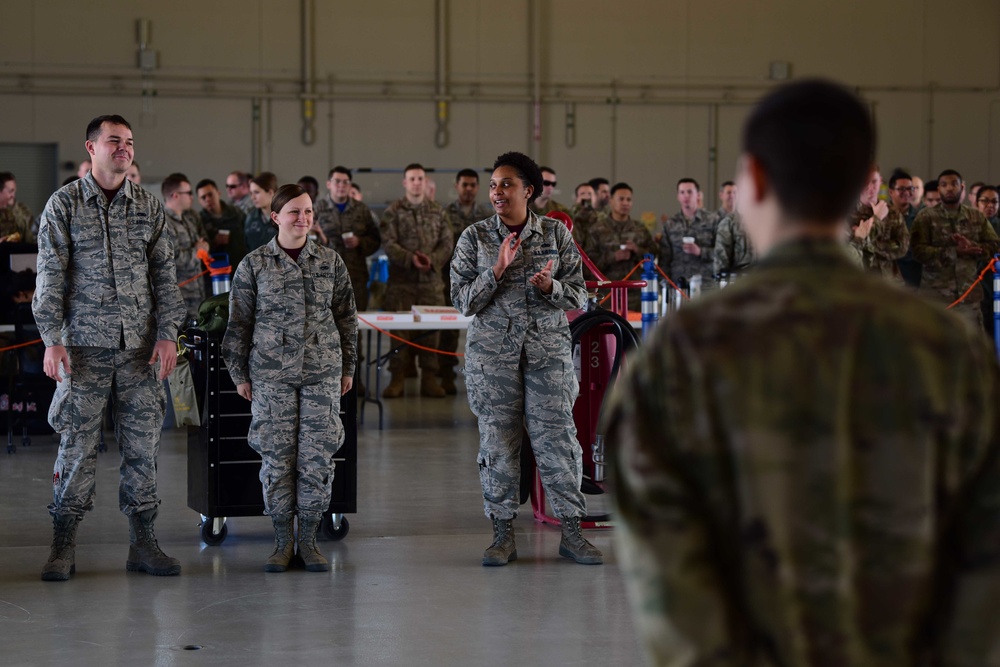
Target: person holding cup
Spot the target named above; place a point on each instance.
(687, 238)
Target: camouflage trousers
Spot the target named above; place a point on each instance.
(297, 431)
(508, 399)
(138, 402)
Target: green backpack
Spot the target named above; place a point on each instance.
(213, 314)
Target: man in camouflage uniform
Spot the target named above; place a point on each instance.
(583, 213)
(462, 212)
(348, 227)
(988, 203)
(223, 223)
(682, 260)
(17, 225)
(188, 237)
(888, 239)
(545, 204)
(291, 349)
(727, 200)
(733, 253)
(418, 241)
(902, 189)
(807, 463)
(616, 243)
(107, 308)
(951, 240)
(238, 191)
(602, 194)
(516, 273)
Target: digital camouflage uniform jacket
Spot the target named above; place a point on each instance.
(679, 264)
(888, 241)
(605, 238)
(807, 473)
(512, 315)
(17, 225)
(291, 322)
(357, 219)
(406, 228)
(105, 270)
(185, 230)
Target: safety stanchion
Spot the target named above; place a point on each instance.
(650, 296)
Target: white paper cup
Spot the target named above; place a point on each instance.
(687, 239)
(347, 235)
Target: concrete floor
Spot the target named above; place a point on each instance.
(405, 588)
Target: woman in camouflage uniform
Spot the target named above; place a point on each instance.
(291, 349)
(517, 273)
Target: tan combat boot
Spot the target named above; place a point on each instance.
(429, 386)
(144, 554)
(396, 386)
(503, 550)
(284, 544)
(448, 381)
(314, 560)
(62, 557)
(575, 546)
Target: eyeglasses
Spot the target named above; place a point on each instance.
(188, 193)
(995, 202)
(905, 189)
(549, 184)
(232, 186)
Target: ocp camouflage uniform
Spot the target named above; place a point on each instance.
(292, 335)
(185, 230)
(17, 225)
(733, 253)
(356, 218)
(808, 476)
(406, 228)
(518, 361)
(230, 219)
(888, 241)
(675, 262)
(946, 274)
(584, 218)
(107, 290)
(458, 220)
(605, 239)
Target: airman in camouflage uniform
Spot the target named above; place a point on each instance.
(807, 463)
(17, 225)
(887, 242)
(106, 301)
(733, 252)
(412, 230)
(187, 236)
(584, 218)
(218, 216)
(683, 265)
(606, 238)
(518, 362)
(948, 268)
(356, 219)
(292, 337)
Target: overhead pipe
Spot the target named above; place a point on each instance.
(441, 71)
(308, 39)
(535, 35)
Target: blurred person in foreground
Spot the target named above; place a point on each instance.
(805, 475)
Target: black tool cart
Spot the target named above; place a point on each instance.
(224, 472)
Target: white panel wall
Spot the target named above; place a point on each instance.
(931, 70)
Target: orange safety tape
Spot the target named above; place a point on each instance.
(192, 278)
(672, 283)
(416, 345)
(14, 347)
(989, 267)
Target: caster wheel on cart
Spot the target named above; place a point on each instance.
(332, 531)
(209, 535)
